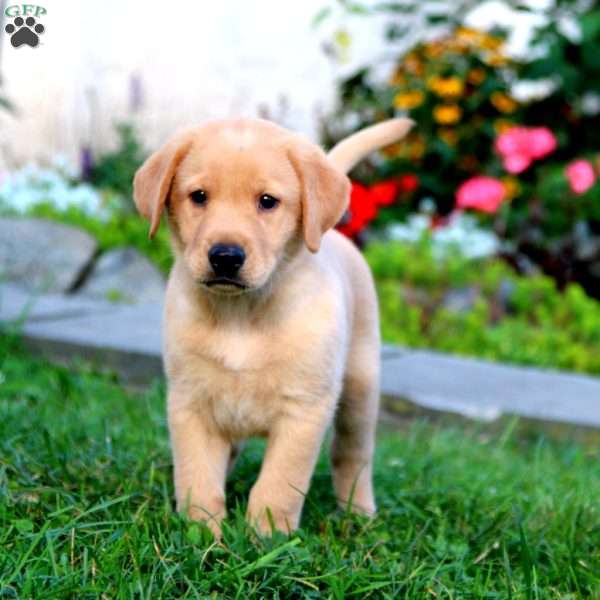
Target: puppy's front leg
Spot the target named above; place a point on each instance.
(200, 458)
(290, 457)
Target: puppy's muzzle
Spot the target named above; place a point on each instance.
(226, 260)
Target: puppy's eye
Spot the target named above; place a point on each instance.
(199, 197)
(267, 202)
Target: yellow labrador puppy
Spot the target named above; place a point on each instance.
(271, 322)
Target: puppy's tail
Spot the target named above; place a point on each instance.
(353, 149)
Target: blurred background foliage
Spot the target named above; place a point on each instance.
(464, 91)
(482, 308)
(482, 227)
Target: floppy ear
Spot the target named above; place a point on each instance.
(325, 191)
(152, 181)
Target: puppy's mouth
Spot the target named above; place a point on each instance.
(226, 282)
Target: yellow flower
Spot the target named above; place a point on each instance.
(512, 187)
(503, 103)
(433, 49)
(456, 45)
(408, 100)
(490, 42)
(502, 125)
(474, 37)
(495, 59)
(413, 147)
(467, 34)
(447, 114)
(393, 150)
(416, 149)
(476, 76)
(446, 87)
(448, 136)
(412, 63)
(398, 78)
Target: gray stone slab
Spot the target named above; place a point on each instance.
(388, 351)
(43, 255)
(127, 340)
(484, 390)
(126, 275)
(136, 329)
(17, 304)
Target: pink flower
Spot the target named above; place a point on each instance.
(541, 142)
(482, 193)
(581, 176)
(516, 163)
(520, 146)
(512, 141)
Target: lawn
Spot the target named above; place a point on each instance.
(86, 508)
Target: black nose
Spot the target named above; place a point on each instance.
(226, 260)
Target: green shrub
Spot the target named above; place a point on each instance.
(511, 318)
(115, 170)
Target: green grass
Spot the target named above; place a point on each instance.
(86, 509)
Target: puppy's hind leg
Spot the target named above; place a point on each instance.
(354, 437)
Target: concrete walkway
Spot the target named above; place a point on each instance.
(127, 339)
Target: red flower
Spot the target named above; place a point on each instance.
(361, 210)
(408, 182)
(383, 193)
(365, 201)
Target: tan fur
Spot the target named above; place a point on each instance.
(297, 349)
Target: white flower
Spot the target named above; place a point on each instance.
(32, 185)
(528, 90)
(461, 234)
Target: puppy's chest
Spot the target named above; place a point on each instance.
(245, 376)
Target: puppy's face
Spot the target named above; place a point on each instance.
(236, 206)
(242, 196)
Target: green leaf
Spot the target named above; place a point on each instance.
(321, 16)
(24, 525)
(405, 8)
(7, 104)
(193, 534)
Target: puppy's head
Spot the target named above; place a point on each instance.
(242, 197)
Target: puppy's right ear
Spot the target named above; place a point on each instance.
(152, 181)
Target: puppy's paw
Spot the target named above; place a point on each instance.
(265, 518)
(211, 517)
(366, 508)
(213, 524)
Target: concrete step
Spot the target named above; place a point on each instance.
(127, 339)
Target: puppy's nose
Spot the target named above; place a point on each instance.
(226, 260)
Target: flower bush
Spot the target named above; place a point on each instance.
(456, 89)
(32, 185)
(526, 167)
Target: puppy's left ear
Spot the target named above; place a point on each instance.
(325, 191)
(152, 181)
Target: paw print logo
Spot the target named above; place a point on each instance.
(24, 31)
